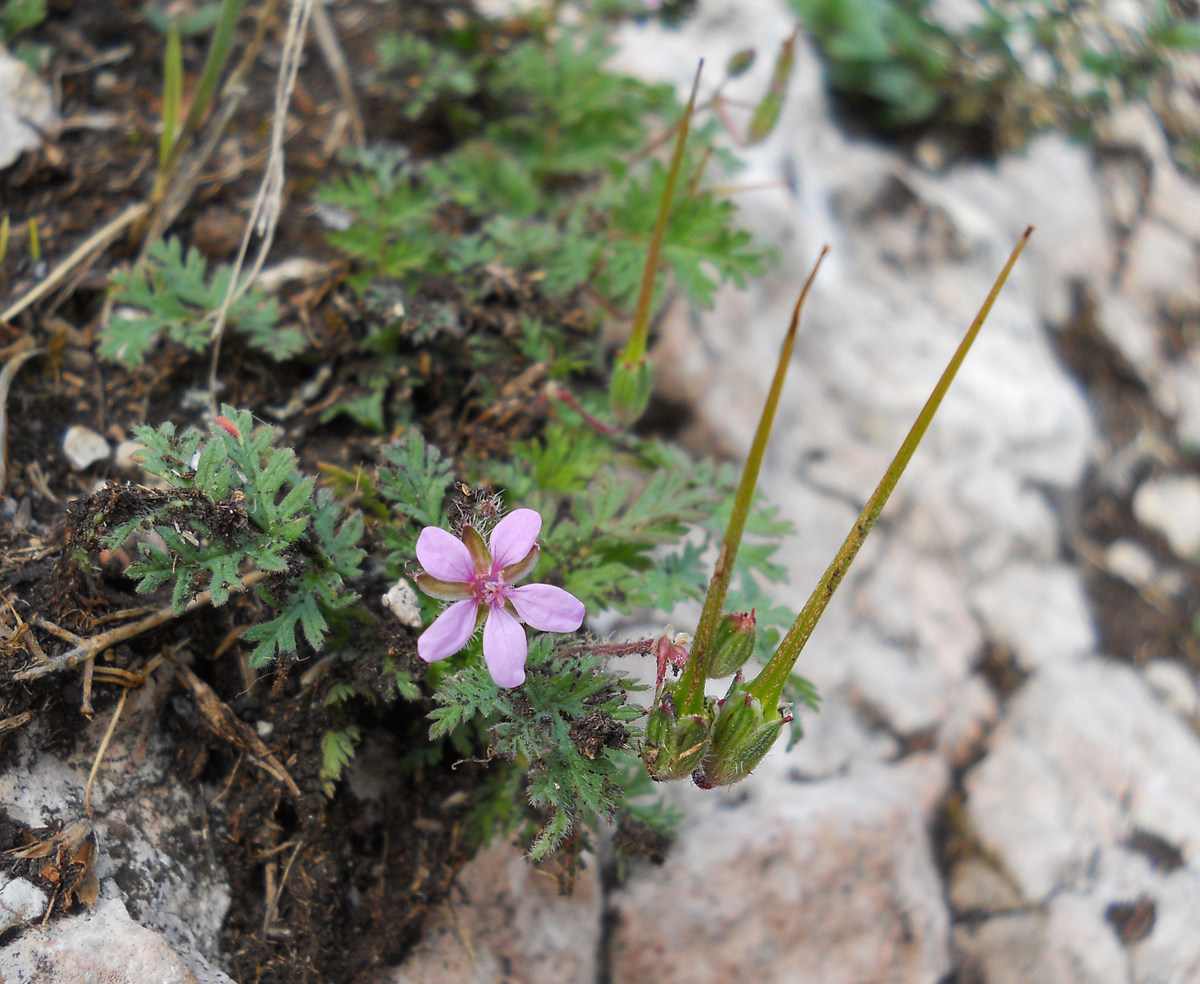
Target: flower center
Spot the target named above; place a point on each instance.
(490, 589)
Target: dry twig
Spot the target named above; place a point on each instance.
(88, 649)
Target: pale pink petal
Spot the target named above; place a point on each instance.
(449, 632)
(513, 537)
(505, 648)
(547, 608)
(444, 556)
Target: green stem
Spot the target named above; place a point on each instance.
(692, 680)
(172, 95)
(210, 74)
(635, 348)
(768, 686)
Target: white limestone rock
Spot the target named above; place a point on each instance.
(1085, 757)
(1039, 611)
(20, 902)
(1173, 685)
(100, 944)
(511, 923)
(836, 878)
(1161, 269)
(150, 831)
(401, 600)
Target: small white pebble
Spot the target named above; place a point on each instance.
(84, 447)
(1130, 561)
(1171, 506)
(265, 729)
(123, 456)
(1173, 685)
(401, 601)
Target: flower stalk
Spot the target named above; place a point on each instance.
(768, 686)
(727, 740)
(691, 683)
(633, 372)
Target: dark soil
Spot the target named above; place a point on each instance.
(323, 890)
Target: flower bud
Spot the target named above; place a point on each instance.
(674, 744)
(629, 392)
(732, 645)
(741, 736)
(739, 62)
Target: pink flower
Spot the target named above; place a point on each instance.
(479, 578)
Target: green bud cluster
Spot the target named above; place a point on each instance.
(741, 735)
(675, 744)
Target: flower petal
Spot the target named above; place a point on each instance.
(513, 537)
(444, 590)
(505, 648)
(547, 608)
(449, 632)
(443, 555)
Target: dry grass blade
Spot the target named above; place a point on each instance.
(264, 215)
(331, 51)
(95, 242)
(7, 374)
(104, 743)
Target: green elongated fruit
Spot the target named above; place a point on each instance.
(766, 113)
(633, 374)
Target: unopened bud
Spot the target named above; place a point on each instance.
(732, 645)
(741, 736)
(740, 62)
(629, 393)
(674, 744)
